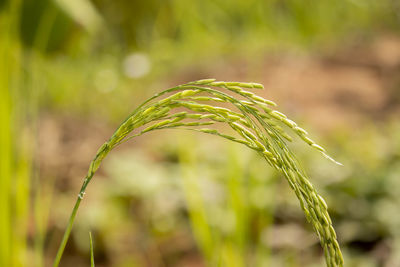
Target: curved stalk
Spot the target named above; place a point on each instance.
(255, 124)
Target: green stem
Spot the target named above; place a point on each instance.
(67, 233)
(71, 221)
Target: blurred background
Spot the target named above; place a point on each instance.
(72, 70)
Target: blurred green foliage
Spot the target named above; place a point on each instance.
(196, 201)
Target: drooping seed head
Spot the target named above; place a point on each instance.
(253, 123)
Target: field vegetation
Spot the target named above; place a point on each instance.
(71, 71)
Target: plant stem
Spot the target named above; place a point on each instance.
(67, 233)
(91, 250)
(71, 221)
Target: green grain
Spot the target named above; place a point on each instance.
(252, 123)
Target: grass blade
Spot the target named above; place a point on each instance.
(91, 250)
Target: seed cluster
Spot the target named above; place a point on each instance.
(253, 122)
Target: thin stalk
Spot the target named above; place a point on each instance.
(71, 221)
(91, 250)
(67, 233)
